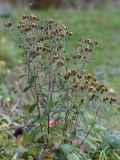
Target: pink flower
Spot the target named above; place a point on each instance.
(52, 123)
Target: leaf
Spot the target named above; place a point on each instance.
(92, 145)
(32, 108)
(34, 149)
(56, 134)
(5, 121)
(26, 107)
(67, 111)
(28, 137)
(31, 80)
(72, 156)
(80, 130)
(60, 82)
(93, 139)
(8, 147)
(107, 140)
(46, 67)
(39, 135)
(20, 150)
(72, 135)
(57, 106)
(30, 158)
(26, 88)
(22, 76)
(43, 95)
(59, 118)
(52, 105)
(49, 157)
(49, 102)
(74, 117)
(41, 119)
(57, 141)
(66, 148)
(116, 144)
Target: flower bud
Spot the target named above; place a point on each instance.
(79, 55)
(95, 42)
(52, 123)
(70, 33)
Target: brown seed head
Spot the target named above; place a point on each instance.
(82, 100)
(70, 33)
(79, 55)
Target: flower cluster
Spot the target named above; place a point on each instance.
(29, 27)
(8, 24)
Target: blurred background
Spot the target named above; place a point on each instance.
(94, 19)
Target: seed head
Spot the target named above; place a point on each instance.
(79, 75)
(82, 100)
(70, 33)
(79, 55)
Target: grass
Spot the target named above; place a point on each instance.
(101, 25)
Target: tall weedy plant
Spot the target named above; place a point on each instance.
(67, 101)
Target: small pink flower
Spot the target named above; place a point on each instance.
(52, 123)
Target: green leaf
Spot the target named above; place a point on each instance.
(31, 80)
(28, 138)
(8, 147)
(20, 150)
(72, 135)
(80, 130)
(43, 95)
(60, 82)
(57, 106)
(59, 118)
(72, 156)
(34, 149)
(22, 76)
(67, 111)
(66, 148)
(74, 117)
(39, 135)
(107, 140)
(30, 158)
(46, 67)
(41, 119)
(94, 139)
(56, 133)
(32, 108)
(52, 105)
(5, 121)
(26, 88)
(116, 144)
(26, 107)
(49, 102)
(57, 141)
(92, 145)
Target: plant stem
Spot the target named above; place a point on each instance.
(95, 120)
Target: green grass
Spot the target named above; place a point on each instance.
(101, 25)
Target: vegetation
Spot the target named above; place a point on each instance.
(54, 126)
